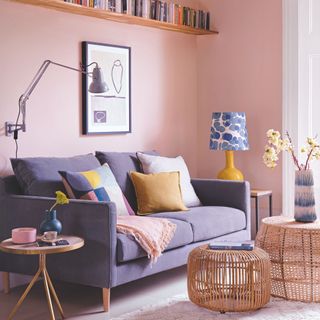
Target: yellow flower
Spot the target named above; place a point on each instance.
(276, 144)
(61, 198)
(273, 134)
(273, 137)
(311, 142)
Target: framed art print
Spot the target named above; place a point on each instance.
(108, 112)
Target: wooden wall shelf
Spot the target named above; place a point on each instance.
(117, 17)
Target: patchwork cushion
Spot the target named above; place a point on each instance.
(121, 163)
(98, 185)
(129, 249)
(156, 164)
(39, 176)
(158, 192)
(209, 222)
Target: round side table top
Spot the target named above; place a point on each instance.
(290, 223)
(205, 251)
(32, 248)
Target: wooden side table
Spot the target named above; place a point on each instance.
(257, 194)
(229, 280)
(294, 250)
(32, 249)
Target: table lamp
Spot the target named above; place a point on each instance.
(229, 133)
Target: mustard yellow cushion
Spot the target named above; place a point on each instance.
(157, 192)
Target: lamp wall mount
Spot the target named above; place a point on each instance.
(10, 127)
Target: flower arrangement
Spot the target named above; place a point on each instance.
(276, 144)
(61, 199)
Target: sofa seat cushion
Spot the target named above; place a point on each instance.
(209, 222)
(129, 249)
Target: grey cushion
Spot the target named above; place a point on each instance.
(209, 222)
(39, 176)
(128, 249)
(121, 163)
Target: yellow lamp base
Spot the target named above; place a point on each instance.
(230, 172)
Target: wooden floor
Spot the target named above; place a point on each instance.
(80, 302)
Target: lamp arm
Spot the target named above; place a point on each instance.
(25, 96)
(42, 70)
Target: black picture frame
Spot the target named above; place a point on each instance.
(110, 112)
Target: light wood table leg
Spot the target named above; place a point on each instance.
(47, 286)
(6, 282)
(106, 299)
(36, 276)
(55, 297)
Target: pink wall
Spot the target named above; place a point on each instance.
(177, 81)
(164, 85)
(241, 70)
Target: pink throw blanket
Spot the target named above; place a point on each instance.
(153, 234)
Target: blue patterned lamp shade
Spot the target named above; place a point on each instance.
(228, 131)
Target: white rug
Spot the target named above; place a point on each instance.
(180, 308)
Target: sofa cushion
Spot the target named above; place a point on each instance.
(156, 164)
(97, 185)
(39, 175)
(158, 192)
(209, 222)
(129, 249)
(121, 163)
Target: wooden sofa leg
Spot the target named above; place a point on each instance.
(6, 282)
(106, 299)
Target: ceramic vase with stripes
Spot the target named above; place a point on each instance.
(304, 203)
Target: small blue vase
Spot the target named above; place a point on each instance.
(51, 223)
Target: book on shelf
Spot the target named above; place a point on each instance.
(119, 6)
(228, 245)
(162, 10)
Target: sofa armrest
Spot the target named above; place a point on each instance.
(93, 265)
(226, 193)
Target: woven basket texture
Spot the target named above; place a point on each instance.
(229, 280)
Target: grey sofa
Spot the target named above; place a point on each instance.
(109, 259)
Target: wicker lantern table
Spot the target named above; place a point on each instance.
(228, 280)
(294, 250)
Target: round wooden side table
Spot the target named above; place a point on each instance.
(32, 249)
(229, 280)
(294, 250)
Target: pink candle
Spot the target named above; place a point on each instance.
(24, 235)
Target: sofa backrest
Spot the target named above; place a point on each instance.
(39, 176)
(9, 185)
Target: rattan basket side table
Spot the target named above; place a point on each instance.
(294, 250)
(228, 280)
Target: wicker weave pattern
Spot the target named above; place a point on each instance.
(226, 280)
(294, 250)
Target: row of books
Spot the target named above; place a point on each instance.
(161, 10)
(227, 245)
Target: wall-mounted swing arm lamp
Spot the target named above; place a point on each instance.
(97, 86)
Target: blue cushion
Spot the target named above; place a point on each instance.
(209, 222)
(39, 176)
(121, 163)
(129, 249)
